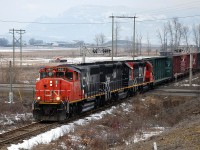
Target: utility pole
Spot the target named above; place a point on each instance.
(134, 36)
(191, 60)
(11, 91)
(134, 17)
(20, 32)
(112, 35)
(12, 31)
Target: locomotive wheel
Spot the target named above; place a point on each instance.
(115, 96)
(97, 103)
(79, 108)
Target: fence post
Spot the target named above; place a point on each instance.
(154, 146)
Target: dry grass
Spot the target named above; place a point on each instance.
(113, 131)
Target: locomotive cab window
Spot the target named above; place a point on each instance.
(50, 74)
(43, 75)
(69, 75)
(60, 74)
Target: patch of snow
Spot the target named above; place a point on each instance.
(126, 107)
(147, 134)
(160, 128)
(12, 118)
(181, 84)
(185, 83)
(144, 135)
(43, 138)
(63, 145)
(54, 134)
(2, 132)
(26, 82)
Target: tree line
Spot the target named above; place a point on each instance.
(172, 35)
(4, 42)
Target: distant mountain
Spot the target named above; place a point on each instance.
(85, 14)
(76, 31)
(75, 25)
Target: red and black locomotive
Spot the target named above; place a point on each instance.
(66, 90)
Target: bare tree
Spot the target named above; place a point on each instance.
(175, 33)
(163, 36)
(137, 44)
(100, 39)
(172, 32)
(140, 43)
(185, 33)
(196, 34)
(148, 45)
(97, 39)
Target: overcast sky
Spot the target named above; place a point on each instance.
(30, 10)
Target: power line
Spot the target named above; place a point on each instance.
(22, 22)
(88, 23)
(170, 18)
(15, 40)
(186, 5)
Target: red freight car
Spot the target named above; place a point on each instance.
(181, 64)
(194, 62)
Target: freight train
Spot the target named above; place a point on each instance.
(67, 90)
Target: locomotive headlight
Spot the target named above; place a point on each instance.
(38, 98)
(57, 98)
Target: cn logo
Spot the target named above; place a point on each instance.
(52, 92)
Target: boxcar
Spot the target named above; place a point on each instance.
(194, 62)
(181, 65)
(198, 60)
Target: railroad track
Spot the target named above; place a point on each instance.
(21, 133)
(176, 92)
(33, 129)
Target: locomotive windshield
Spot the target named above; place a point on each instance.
(56, 73)
(46, 75)
(43, 75)
(69, 75)
(60, 74)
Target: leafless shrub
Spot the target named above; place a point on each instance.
(13, 108)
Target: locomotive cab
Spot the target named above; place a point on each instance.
(54, 92)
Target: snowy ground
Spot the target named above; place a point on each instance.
(70, 60)
(8, 122)
(54, 134)
(185, 83)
